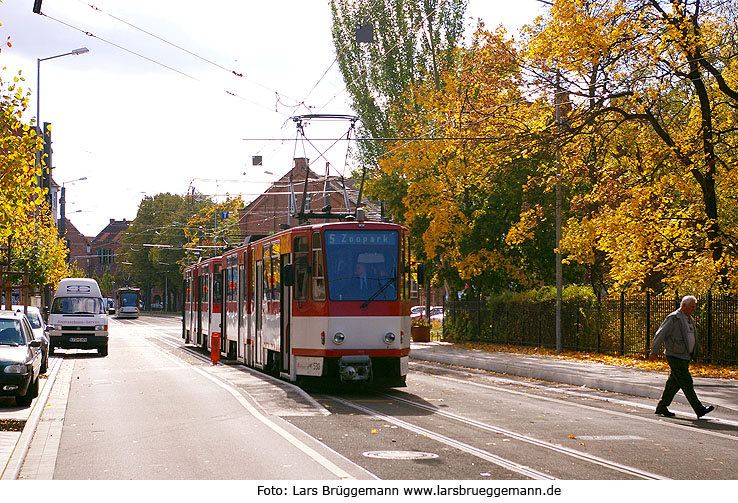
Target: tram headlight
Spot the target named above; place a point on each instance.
(338, 338)
(389, 338)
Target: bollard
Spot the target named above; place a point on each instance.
(215, 347)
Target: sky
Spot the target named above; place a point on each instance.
(156, 105)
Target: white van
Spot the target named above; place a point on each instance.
(78, 317)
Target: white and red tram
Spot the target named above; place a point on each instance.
(327, 300)
(203, 301)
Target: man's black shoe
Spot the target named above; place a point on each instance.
(666, 413)
(705, 410)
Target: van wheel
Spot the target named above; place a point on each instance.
(31, 393)
(103, 351)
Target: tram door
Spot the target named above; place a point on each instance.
(241, 294)
(198, 306)
(258, 313)
(285, 311)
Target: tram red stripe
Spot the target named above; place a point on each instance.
(337, 353)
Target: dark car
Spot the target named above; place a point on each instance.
(39, 331)
(20, 358)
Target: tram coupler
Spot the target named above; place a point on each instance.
(215, 347)
(355, 368)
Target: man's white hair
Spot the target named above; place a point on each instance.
(687, 299)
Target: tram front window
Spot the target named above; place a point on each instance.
(361, 265)
(129, 300)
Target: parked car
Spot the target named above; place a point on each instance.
(39, 332)
(20, 358)
(436, 313)
(156, 306)
(417, 312)
(110, 303)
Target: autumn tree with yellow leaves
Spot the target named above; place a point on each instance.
(648, 144)
(26, 229)
(475, 145)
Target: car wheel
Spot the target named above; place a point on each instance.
(103, 351)
(31, 393)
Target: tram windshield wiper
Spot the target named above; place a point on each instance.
(376, 294)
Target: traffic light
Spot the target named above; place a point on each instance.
(37, 6)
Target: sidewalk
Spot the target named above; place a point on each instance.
(723, 393)
(14, 444)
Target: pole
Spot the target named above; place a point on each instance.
(559, 279)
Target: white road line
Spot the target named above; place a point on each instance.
(539, 443)
(319, 458)
(569, 392)
(497, 460)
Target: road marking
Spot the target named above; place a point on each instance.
(539, 443)
(299, 444)
(480, 453)
(569, 392)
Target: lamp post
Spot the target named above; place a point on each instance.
(62, 206)
(559, 274)
(75, 52)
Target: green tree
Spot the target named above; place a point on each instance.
(207, 233)
(414, 42)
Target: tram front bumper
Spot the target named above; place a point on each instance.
(355, 368)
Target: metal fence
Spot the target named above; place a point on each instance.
(624, 325)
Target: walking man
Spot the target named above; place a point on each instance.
(679, 335)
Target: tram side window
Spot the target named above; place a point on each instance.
(318, 271)
(204, 287)
(276, 272)
(302, 274)
(217, 288)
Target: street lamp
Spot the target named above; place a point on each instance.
(62, 206)
(75, 52)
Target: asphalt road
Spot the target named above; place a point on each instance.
(154, 409)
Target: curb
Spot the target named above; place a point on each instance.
(18, 456)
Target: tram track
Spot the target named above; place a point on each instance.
(478, 426)
(527, 465)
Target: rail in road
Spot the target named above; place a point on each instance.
(601, 446)
(461, 424)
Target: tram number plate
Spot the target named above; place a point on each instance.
(309, 365)
(78, 339)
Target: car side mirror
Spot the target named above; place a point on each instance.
(49, 328)
(35, 343)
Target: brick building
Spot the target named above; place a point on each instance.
(104, 247)
(269, 211)
(79, 248)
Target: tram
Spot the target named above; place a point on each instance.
(127, 300)
(327, 301)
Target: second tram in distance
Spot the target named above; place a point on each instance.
(328, 301)
(127, 301)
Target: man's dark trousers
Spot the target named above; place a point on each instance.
(679, 378)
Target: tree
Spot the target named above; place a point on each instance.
(414, 43)
(465, 185)
(25, 223)
(152, 247)
(207, 231)
(653, 96)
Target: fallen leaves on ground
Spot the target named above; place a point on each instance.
(640, 362)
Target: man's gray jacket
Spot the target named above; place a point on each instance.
(673, 334)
